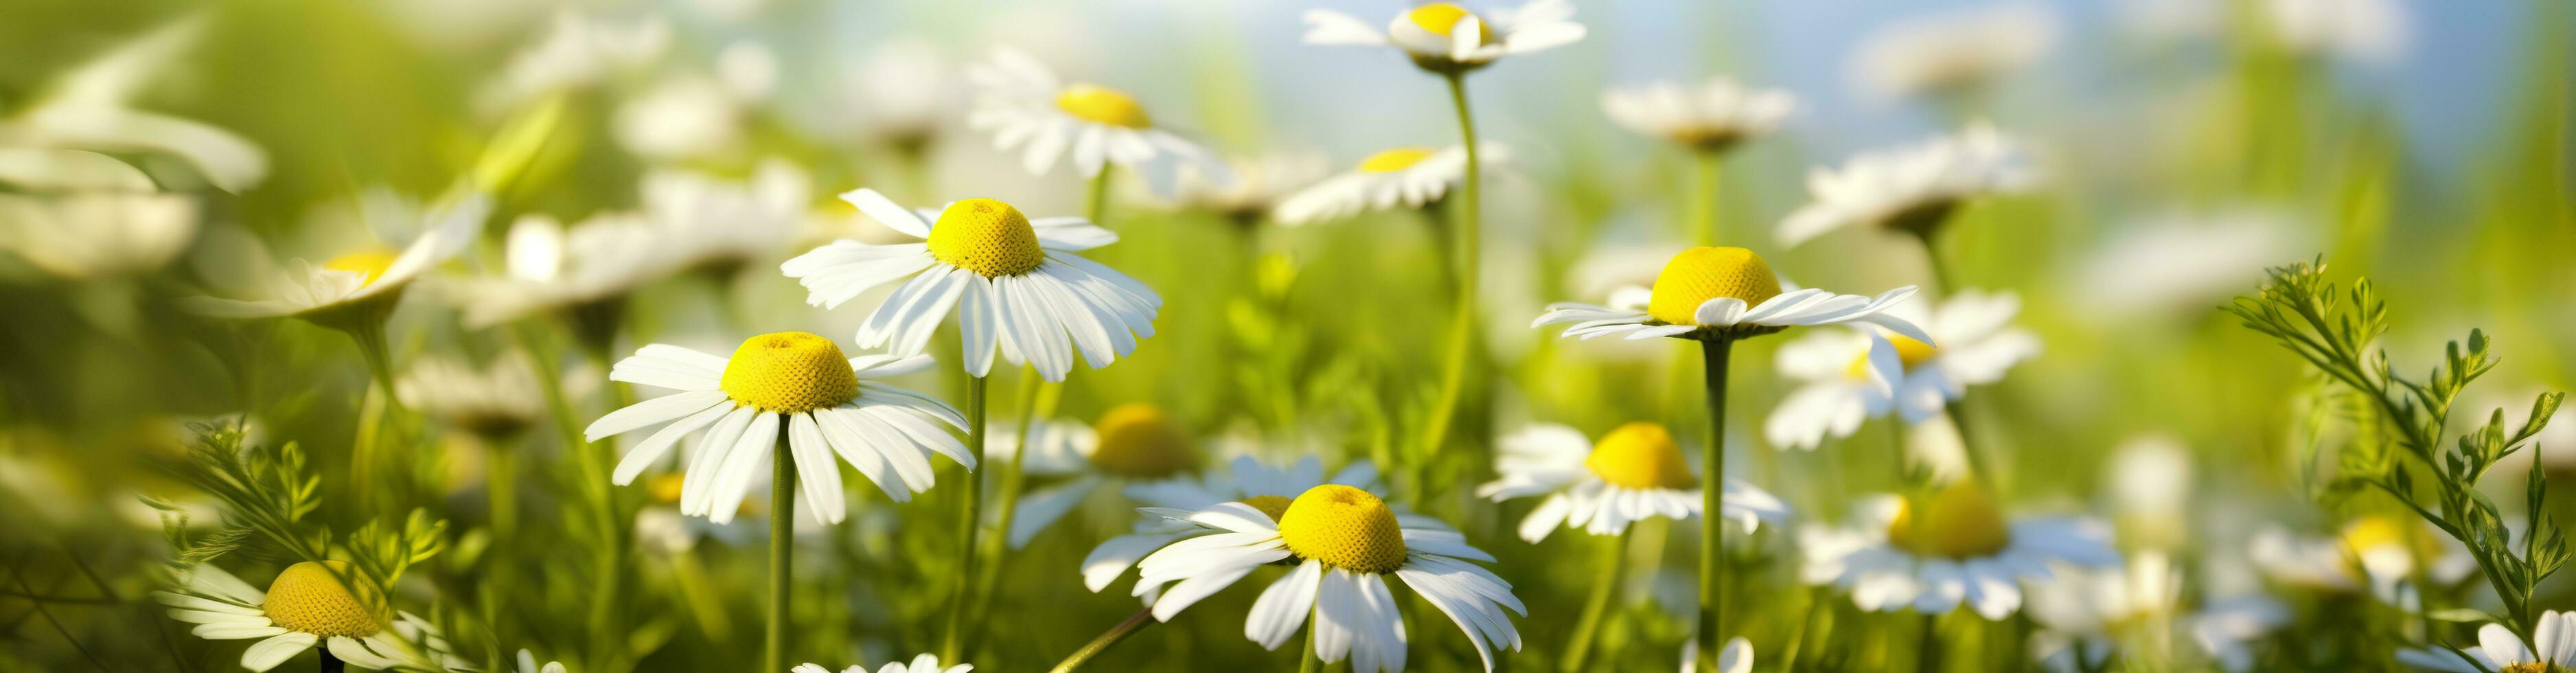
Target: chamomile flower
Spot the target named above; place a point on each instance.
(313, 603)
(1843, 373)
(1910, 188)
(926, 663)
(1445, 37)
(1016, 285)
(1951, 547)
(1134, 448)
(83, 215)
(791, 382)
(1408, 177)
(1719, 292)
(494, 402)
(1027, 108)
(1736, 657)
(2229, 629)
(358, 283)
(2086, 614)
(1952, 53)
(711, 222)
(1344, 542)
(1635, 472)
(1247, 481)
(1260, 183)
(2553, 637)
(550, 267)
(2379, 553)
(579, 51)
(1711, 116)
(902, 94)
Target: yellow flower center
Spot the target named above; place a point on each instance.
(2381, 530)
(1909, 352)
(1395, 159)
(1640, 455)
(369, 264)
(1704, 273)
(1443, 17)
(789, 372)
(666, 488)
(312, 597)
(1102, 105)
(1274, 505)
(1343, 527)
(1959, 521)
(2533, 667)
(1139, 440)
(987, 237)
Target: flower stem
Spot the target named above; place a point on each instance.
(1037, 402)
(1927, 646)
(969, 512)
(1140, 620)
(782, 547)
(1096, 205)
(1712, 593)
(1704, 197)
(1309, 661)
(328, 663)
(1957, 409)
(1612, 558)
(1467, 238)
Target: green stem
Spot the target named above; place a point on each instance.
(1309, 661)
(1612, 558)
(1927, 646)
(952, 645)
(501, 481)
(1037, 401)
(1468, 239)
(1141, 619)
(1712, 592)
(782, 548)
(1096, 205)
(1704, 197)
(1947, 283)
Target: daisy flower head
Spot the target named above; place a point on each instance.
(1635, 472)
(1344, 542)
(1134, 448)
(1912, 188)
(579, 51)
(1259, 184)
(494, 402)
(312, 603)
(926, 663)
(1248, 481)
(1954, 53)
(1015, 283)
(2379, 553)
(549, 267)
(2229, 629)
(1410, 177)
(715, 223)
(1447, 38)
(2552, 649)
(1947, 548)
(81, 215)
(358, 285)
(1847, 377)
(2089, 612)
(795, 383)
(1028, 108)
(1709, 293)
(1711, 116)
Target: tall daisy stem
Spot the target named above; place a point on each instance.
(369, 333)
(1704, 197)
(1469, 241)
(1605, 583)
(1096, 205)
(782, 547)
(1309, 661)
(1141, 619)
(1712, 592)
(1958, 409)
(1037, 402)
(952, 645)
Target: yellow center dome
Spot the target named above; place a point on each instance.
(1640, 455)
(370, 264)
(2381, 530)
(315, 597)
(1395, 159)
(987, 237)
(1959, 521)
(1909, 352)
(1440, 18)
(1704, 273)
(1343, 527)
(1139, 440)
(1102, 105)
(789, 372)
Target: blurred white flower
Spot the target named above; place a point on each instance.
(2150, 480)
(88, 108)
(1410, 177)
(579, 51)
(361, 280)
(1843, 372)
(528, 664)
(2369, 30)
(494, 402)
(2180, 264)
(1910, 187)
(1446, 37)
(1735, 657)
(87, 215)
(1951, 548)
(901, 94)
(681, 118)
(1636, 472)
(1711, 116)
(2228, 629)
(1026, 107)
(1955, 51)
(749, 69)
(2088, 611)
(551, 267)
(1259, 184)
(711, 221)
(1247, 481)
(926, 663)
(2388, 549)
(2499, 649)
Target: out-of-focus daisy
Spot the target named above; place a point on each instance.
(528, 664)
(2179, 265)
(2150, 483)
(1259, 184)
(361, 284)
(1707, 292)
(2389, 549)
(1016, 284)
(711, 222)
(1445, 37)
(1135, 448)
(2552, 648)
(550, 267)
(926, 663)
(1411, 177)
(901, 94)
(1736, 657)
(2086, 614)
(1952, 53)
(2228, 629)
(1247, 481)
(1951, 547)
(312, 603)
(494, 402)
(1912, 188)
(682, 118)
(89, 108)
(1978, 344)
(797, 380)
(2369, 30)
(1344, 542)
(1711, 116)
(81, 215)
(1027, 108)
(579, 51)
(1636, 471)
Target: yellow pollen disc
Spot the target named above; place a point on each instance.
(1959, 521)
(311, 598)
(1909, 352)
(1102, 105)
(666, 488)
(1274, 505)
(1640, 455)
(2533, 667)
(1440, 18)
(371, 263)
(1704, 273)
(987, 237)
(1139, 440)
(1395, 159)
(1343, 527)
(2381, 530)
(789, 372)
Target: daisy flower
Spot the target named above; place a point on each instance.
(1028, 109)
(1016, 285)
(926, 663)
(590, 266)
(1912, 188)
(794, 381)
(1135, 449)
(1721, 292)
(579, 51)
(902, 94)
(2501, 651)
(83, 215)
(1844, 384)
(1248, 481)
(1259, 184)
(719, 224)
(360, 285)
(494, 402)
(2228, 629)
(1344, 543)
(1711, 116)
(1954, 53)
(2174, 265)
(1949, 548)
(2086, 614)
(308, 605)
(1635, 472)
(2379, 552)
(1445, 37)
(1736, 657)
(1410, 177)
